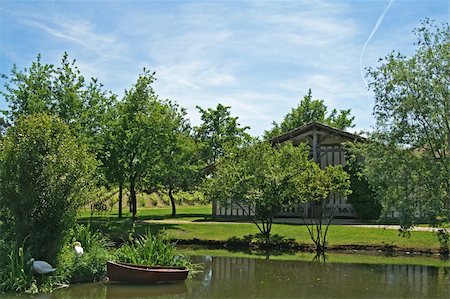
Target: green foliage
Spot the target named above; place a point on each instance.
(45, 176)
(265, 179)
(408, 161)
(91, 265)
(61, 91)
(152, 251)
(17, 274)
(444, 241)
(140, 138)
(181, 167)
(362, 197)
(219, 133)
(309, 110)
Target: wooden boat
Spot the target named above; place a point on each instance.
(140, 274)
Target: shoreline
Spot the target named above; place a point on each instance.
(386, 250)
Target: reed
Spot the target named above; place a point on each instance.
(151, 250)
(17, 275)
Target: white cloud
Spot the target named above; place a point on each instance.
(260, 57)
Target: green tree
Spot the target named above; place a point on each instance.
(182, 167)
(219, 133)
(363, 198)
(262, 180)
(411, 142)
(320, 186)
(46, 175)
(310, 110)
(61, 91)
(140, 136)
(113, 154)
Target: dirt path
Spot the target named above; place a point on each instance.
(176, 221)
(397, 227)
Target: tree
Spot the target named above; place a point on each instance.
(60, 91)
(412, 112)
(219, 133)
(363, 198)
(310, 110)
(140, 137)
(113, 154)
(45, 175)
(262, 179)
(321, 186)
(181, 167)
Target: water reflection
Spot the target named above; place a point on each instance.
(250, 278)
(234, 277)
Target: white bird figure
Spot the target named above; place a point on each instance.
(78, 249)
(42, 267)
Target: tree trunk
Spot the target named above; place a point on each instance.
(172, 201)
(133, 197)
(120, 198)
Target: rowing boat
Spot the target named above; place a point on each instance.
(141, 274)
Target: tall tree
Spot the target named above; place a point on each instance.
(409, 160)
(61, 91)
(182, 167)
(140, 136)
(219, 132)
(310, 110)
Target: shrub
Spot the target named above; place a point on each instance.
(45, 176)
(91, 265)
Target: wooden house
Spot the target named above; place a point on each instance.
(326, 149)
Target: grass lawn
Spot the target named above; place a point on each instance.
(194, 222)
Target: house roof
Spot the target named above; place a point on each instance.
(307, 129)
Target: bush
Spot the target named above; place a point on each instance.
(91, 265)
(45, 176)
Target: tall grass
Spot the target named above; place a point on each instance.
(17, 274)
(152, 251)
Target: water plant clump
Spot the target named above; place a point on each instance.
(17, 273)
(152, 250)
(91, 264)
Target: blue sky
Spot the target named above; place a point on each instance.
(259, 57)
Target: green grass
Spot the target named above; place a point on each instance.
(195, 224)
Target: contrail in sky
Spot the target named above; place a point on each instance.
(374, 30)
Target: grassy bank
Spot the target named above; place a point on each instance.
(194, 222)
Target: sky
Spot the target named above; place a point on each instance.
(259, 57)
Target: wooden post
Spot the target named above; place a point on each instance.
(314, 146)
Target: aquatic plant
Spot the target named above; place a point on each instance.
(17, 274)
(151, 250)
(89, 266)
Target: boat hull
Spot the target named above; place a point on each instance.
(140, 274)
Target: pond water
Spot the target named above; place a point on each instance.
(242, 277)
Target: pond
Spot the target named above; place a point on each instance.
(244, 277)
